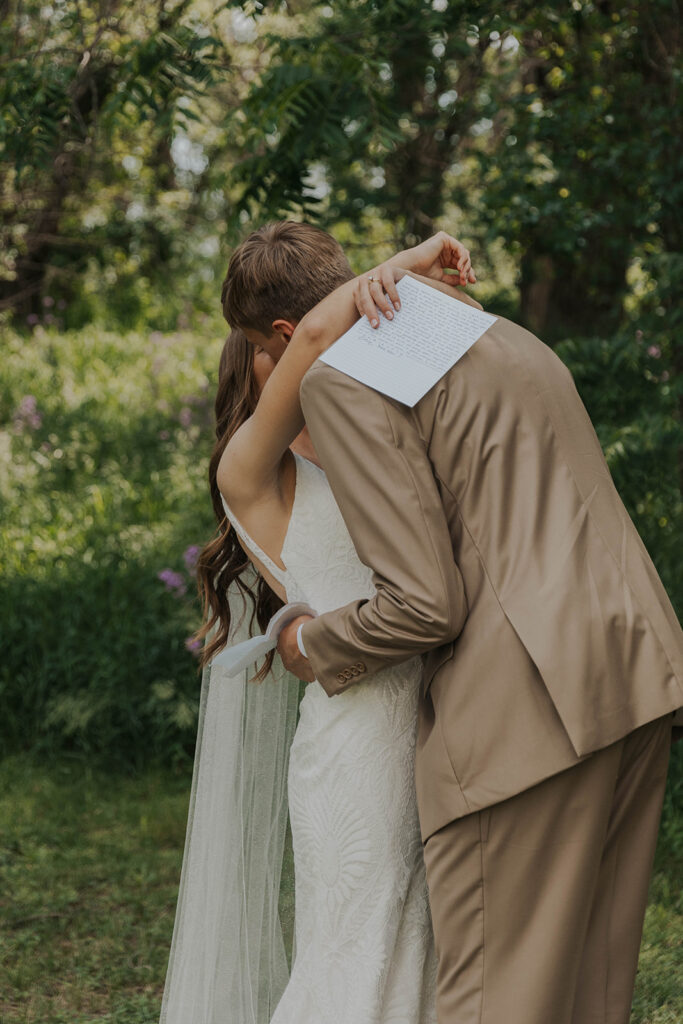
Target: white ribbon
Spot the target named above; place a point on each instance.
(235, 659)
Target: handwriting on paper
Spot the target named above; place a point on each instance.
(405, 357)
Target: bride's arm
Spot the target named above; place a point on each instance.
(250, 465)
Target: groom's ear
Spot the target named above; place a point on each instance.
(284, 329)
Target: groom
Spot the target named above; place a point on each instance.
(552, 656)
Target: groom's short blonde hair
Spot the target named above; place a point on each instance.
(281, 271)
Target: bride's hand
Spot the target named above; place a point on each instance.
(376, 292)
(435, 257)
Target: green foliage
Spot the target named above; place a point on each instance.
(582, 174)
(96, 99)
(105, 441)
(356, 111)
(80, 70)
(137, 140)
(551, 127)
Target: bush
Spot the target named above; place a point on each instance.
(105, 441)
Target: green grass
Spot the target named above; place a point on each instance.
(89, 868)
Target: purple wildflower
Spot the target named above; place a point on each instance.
(193, 645)
(48, 301)
(28, 405)
(654, 351)
(27, 415)
(173, 581)
(190, 556)
(32, 319)
(164, 435)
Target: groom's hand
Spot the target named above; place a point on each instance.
(288, 649)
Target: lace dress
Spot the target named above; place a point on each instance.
(363, 936)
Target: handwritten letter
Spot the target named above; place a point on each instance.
(405, 357)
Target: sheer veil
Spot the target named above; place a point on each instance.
(227, 962)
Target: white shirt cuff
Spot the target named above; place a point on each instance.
(299, 640)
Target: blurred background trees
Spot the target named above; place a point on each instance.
(139, 141)
(98, 177)
(549, 132)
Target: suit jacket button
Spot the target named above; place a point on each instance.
(360, 666)
(341, 678)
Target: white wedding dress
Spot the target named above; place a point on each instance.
(363, 936)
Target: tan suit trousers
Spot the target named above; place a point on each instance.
(538, 901)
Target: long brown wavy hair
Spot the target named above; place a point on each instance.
(222, 561)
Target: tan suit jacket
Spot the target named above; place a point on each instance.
(503, 554)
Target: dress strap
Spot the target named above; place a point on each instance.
(279, 574)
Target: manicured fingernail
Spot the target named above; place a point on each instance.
(389, 315)
(397, 305)
(374, 323)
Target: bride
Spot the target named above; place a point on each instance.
(363, 941)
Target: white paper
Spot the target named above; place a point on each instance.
(405, 357)
(236, 658)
